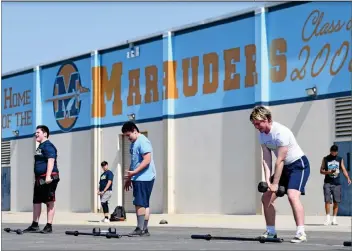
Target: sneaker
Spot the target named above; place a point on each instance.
(268, 235)
(301, 237)
(136, 232)
(31, 229)
(327, 223)
(334, 222)
(105, 220)
(47, 230)
(145, 232)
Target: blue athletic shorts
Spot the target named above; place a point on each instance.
(141, 192)
(295, 175)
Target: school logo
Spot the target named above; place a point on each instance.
(67, 96)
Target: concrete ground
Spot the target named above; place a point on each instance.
(164, 237)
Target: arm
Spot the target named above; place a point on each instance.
(279, 164)
(144, 163)
(266, 163)
(345, 172)
(322, 168)
(107, 186)
(50, 153)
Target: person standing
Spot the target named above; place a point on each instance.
(105, 189)
(292, 170)
(46, 179)
(330, 167)
(140, 176)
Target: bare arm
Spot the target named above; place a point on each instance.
(267, 160)
(50, 167)
(322, 168)
(345, 171)
(279, 164)
(144, 163)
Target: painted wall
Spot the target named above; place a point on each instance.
(193, 84)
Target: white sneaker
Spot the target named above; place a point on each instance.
(327, 222)
(105, 220)
(300, 237)
(334, 222)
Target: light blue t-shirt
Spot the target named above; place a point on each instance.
(138, 148)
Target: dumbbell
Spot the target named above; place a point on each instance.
(97, 230)
(263, 187)
(17, 231)
(54, 178)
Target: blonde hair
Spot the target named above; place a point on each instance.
(260, 113)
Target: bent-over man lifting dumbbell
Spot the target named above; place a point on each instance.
(292, 170)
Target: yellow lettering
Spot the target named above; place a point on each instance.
(211, 77)
(134, 90)
(151, 77)
(169, 81)
(102, 86)
(190, 90)
(251, 78)
(232, 79)
(278, 62)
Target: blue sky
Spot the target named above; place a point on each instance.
(41, 32)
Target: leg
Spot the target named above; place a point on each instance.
(104, 199)
(37, 208)
(336, 193)
(268, 199)
(50, 206)
(149, 189)
(139, 205)
(300, 171)
(327, 200)
(49, 198)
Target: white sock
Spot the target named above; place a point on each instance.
(328, 217)
(300, 230)
(271, 229)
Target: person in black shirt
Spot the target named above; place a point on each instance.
(330, 167)
(105, 189)
(46, 175)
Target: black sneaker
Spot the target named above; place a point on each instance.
(145, 232)
(31, 229)
(136, 232)
(47, 230)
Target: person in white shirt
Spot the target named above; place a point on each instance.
(292, 170)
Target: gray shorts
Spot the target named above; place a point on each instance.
(106, 196)
(332, 190)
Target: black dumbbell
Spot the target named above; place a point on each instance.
(54, 178)
(97, 231)
(263, 187)
(17, 231)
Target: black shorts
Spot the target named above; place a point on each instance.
(44, 193)
(141, 192)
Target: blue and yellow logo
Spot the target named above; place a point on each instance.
(67, 96)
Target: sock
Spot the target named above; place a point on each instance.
(140, 221)
(328, 217)
(300, 230)
(271, 229)
(145, 224)
(35, 224)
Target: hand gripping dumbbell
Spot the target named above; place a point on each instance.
(97, 231)
(263, 187)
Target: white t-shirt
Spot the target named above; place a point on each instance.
(280, 135)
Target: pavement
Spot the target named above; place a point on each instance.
(176, 235)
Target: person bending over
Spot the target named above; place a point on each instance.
(292, 170)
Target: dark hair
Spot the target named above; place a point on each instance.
(44, 129)
(104, 163)
(334, 148)
(129, 127)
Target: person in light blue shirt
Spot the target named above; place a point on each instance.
(140, 176)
